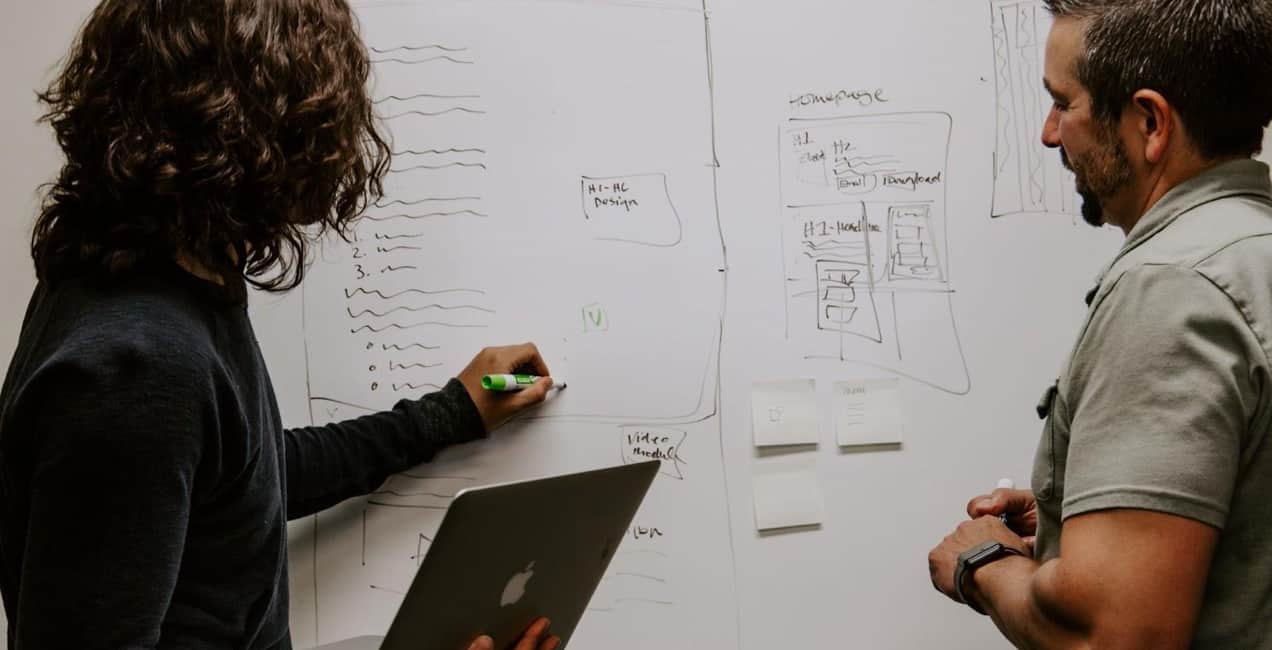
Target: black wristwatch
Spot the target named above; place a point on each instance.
(974, 558)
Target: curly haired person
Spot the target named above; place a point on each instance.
(146, 479)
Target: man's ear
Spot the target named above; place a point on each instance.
(1155, 123)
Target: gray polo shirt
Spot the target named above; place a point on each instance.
(1165, 403)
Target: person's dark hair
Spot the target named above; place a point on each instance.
(229, 132)
(1211, 59)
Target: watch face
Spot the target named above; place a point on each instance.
(983, 552)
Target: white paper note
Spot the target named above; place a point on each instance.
(788, 498)
(867, 412)
(784, 412)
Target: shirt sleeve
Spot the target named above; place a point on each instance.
(328, 464)
(116, 447)
(1164, 385)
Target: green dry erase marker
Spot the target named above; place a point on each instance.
(506, 383)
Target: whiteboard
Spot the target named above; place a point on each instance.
(676, 201)
(537, 195)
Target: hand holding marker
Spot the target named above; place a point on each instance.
(512, 383)
(1005, 484)
(496, 408)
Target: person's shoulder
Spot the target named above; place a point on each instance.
(1229, 230)
(1222, 246)
(142, 329)
(1245, 248)
(1238, 257)
(132, 363)
(1234, 229)
(1157, 306)
(1158, 283)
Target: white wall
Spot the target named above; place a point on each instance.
(34, 38)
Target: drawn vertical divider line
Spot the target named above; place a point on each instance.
(719, 360)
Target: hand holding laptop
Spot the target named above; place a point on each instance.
(508, 557)
(532, 640)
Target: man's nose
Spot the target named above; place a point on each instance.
(1051, 129)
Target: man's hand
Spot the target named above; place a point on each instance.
(533, 639)
(944, 558)
(1019, 506)
(496, 408)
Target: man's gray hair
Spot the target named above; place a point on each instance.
(1211, 59)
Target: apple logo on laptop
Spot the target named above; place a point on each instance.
(516, 587)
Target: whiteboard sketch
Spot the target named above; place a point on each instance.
(1027, 176)
(867, 277)
(482, 239)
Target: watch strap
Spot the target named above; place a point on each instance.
(974, 558)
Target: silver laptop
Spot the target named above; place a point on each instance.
(508, 554)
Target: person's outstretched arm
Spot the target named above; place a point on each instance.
(331, 463)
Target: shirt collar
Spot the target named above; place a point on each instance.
(1228, 179)
(1234, 178)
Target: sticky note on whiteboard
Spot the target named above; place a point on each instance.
(784, 412)
(867, 412)
(788, 498)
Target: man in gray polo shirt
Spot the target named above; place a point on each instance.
(1149, 522)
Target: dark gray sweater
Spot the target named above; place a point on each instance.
(145, 476)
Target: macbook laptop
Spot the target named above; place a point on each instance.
(508, 554)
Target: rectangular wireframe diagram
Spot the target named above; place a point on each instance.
(863, 229)
(458, 252)
(591, 231)
(1027, 176)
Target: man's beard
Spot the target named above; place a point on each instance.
(1100, 174)
(1092, 211)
